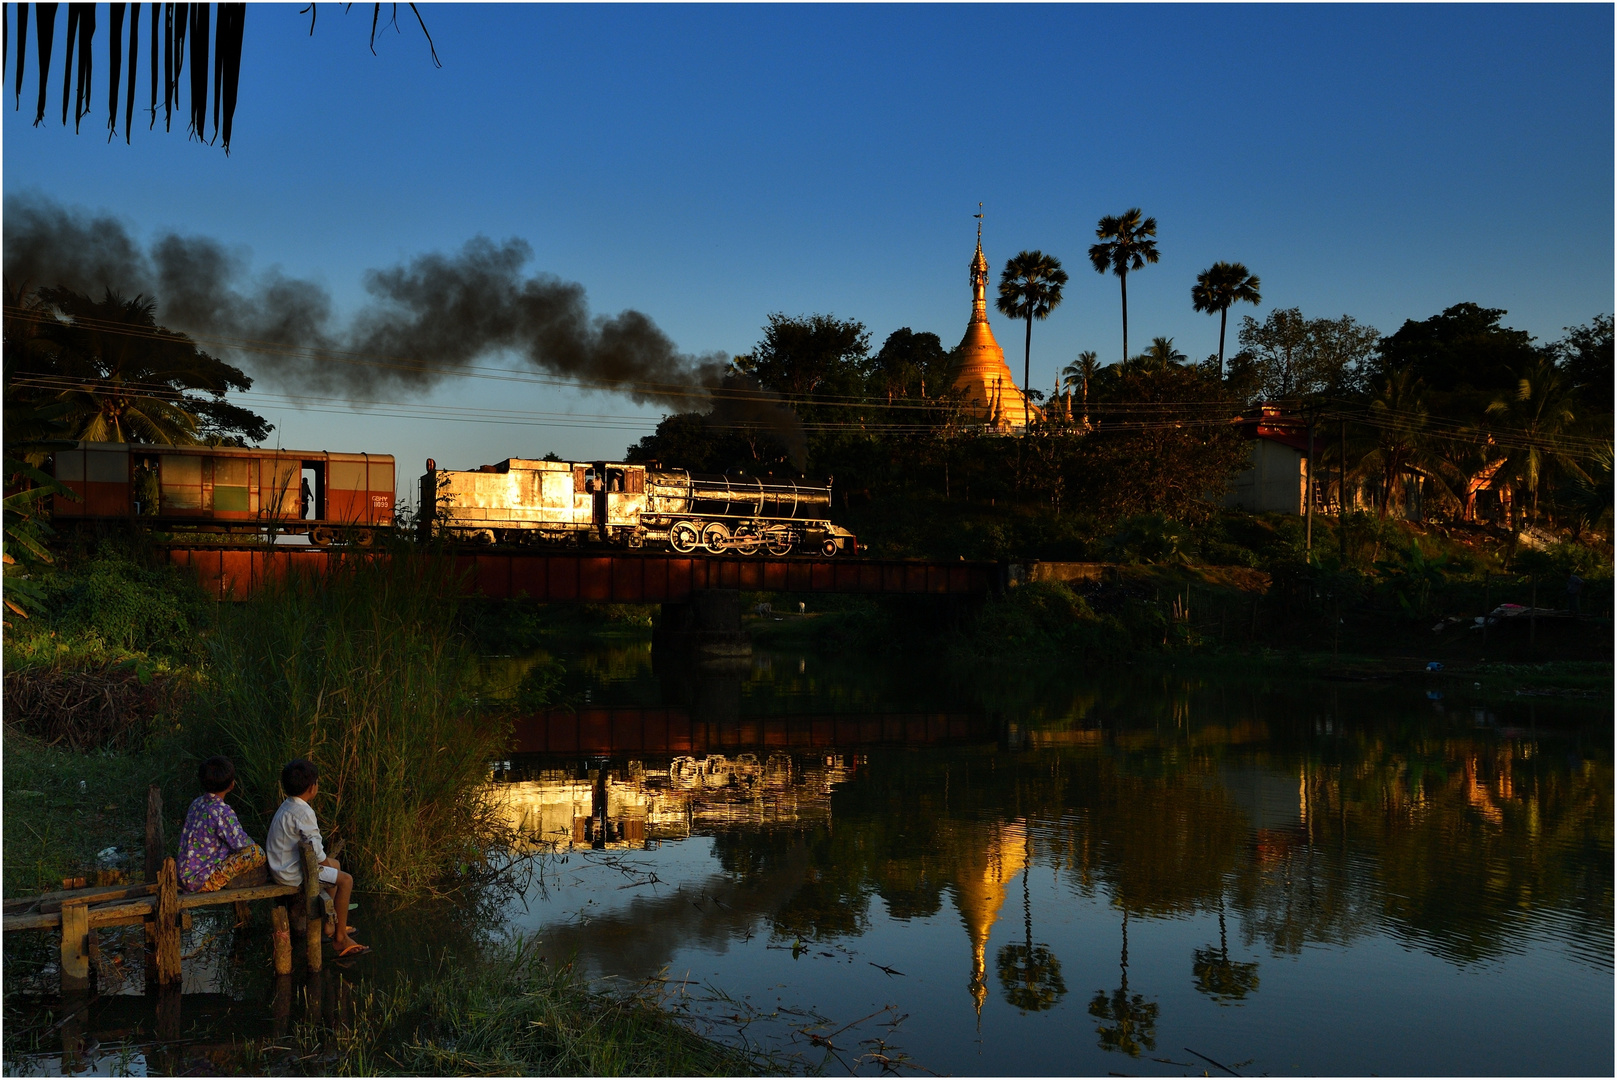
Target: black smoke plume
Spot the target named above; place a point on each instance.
(425, 319)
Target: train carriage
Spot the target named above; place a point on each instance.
(229, 489)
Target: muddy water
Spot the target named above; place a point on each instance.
(1081, 872)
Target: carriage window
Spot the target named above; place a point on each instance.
(182, 482)
(614, 480)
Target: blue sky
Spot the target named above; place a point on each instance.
(710, 165)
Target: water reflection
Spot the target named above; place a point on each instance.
(791, 842)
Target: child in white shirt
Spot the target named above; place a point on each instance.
(295, 821)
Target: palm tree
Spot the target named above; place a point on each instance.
(1127, 243)
(1078, 375)
(1219, 286)
(1398, 413)
(1160, 356)
(121, 377)
(1217, 976)
(1030, 288)
(1541, 411)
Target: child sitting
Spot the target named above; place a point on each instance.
(295, 821)
(214, 849)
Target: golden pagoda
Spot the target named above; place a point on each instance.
(979, 372)
(979, 888)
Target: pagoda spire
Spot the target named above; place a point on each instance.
(979, 275)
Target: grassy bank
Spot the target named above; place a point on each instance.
(512, 1013)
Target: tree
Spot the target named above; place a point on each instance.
(1585, 354)
(1278, 347)
(179, 21)
(1030, 288)
(1541, 414)
(1399, 415)
(806, 355)
(1126, 243)
(1219, 286)
(1463, 349)
(121, 377)
(1160, 356)
(1079, 374)
(908, 362)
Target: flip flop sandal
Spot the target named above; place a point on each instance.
(354, 949)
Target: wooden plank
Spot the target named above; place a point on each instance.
(52, 901)
(230, 896)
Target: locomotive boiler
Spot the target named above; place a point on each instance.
(521, 501)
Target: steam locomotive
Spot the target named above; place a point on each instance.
(521, 501)
(348, 498)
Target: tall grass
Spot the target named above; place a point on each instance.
(364, 672)
(513, 1014)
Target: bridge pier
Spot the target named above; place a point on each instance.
(707, 625)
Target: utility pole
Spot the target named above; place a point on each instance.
(1308, 493)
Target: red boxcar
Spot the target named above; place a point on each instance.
(219, 487)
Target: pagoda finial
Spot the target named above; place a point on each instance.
(979, 275)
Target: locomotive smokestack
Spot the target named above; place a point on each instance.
(425, 320)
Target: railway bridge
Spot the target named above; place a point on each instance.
(623, 577)
(700, 595)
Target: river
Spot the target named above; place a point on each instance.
(874, 863)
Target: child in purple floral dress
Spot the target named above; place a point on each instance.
(214, 849)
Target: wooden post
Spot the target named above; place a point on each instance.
(283, 995)
(282, 941)
(311, 904)
(154, 832)
(167, 927)
(154, 864)
(75, 946)
(1487, 607)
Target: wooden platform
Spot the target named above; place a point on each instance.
(158, 904)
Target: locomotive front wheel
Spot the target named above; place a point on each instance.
(829, 548)
(716, 538)
(684, 538)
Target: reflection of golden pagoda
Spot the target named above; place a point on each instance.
(979, 372)
(979, 890)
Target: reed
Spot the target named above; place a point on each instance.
(364, 672)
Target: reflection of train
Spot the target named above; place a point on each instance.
(225, 489)
(523, 501)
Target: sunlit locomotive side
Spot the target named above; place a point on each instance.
(331, 497)
(521, 501)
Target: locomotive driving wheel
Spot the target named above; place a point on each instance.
(746, 540)
(684, 538)
(779, 543)
(716, 537)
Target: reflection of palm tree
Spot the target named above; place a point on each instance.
(1030, 974)
(1216, 975)
(1128, 1022)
